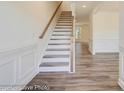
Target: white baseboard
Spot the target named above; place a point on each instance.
(121, 83)
(92, 52)
(54, 69)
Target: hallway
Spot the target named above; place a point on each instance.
(99, 72)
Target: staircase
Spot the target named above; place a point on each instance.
(57, 56)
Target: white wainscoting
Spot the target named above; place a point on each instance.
(121, 68)
(106, 45)
(18, 67)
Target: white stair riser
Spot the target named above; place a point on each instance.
(65, 17)
(57, 53)
(64, 26)
(59, 41)
(62, 33)
(54, 69)
(58, 37)
(64, 23)
(55, 60)
(63, 29)
(64, 20)
(58, 46)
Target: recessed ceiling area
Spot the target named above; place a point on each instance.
(84, 8)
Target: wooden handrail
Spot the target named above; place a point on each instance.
(45, 30)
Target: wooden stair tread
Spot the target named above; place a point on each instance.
(67, 49)
(59, 44)
(64, 25)
(63, 31)
(61, 39)
(56, 56)
(61, 35)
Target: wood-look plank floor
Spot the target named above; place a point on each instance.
(96, 73)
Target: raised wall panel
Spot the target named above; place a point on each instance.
(27, 62)
(7, 73)
(106, 45)
(18, 67)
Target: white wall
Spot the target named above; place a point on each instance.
(21, 49)
(105, 32)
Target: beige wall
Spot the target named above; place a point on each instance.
(84, 33)
(105, 25)
(121, 27)
(23, 22)
(84, 37)
(66, 6)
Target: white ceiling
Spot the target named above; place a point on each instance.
(82, 14)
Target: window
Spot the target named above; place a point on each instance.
(78, 32)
